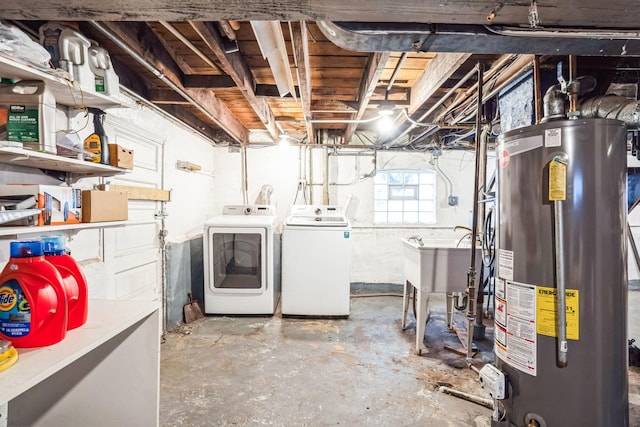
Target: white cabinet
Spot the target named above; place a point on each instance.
(105, 373)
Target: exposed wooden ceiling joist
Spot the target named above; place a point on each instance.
(190, 119)
(300, 42)
(145, 46)
(368, 83)
(204, 81)
(440, 69)
(235, 66)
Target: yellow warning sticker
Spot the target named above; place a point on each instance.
(546, 323)
(557, 180)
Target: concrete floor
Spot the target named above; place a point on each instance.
(245, 371)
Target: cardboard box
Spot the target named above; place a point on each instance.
(100, 206)
(61, 205)
(120, 157)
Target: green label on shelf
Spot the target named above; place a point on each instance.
(22, 124)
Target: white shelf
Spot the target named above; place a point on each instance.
(24, 230)
(65, 91)
(107, 318)
(35, 159)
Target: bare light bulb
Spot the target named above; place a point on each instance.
(385, 122)
(284, 140)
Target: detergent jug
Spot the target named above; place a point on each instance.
(106, 79)
(69, 51)
(33, 304)
(29, 108)
(73, 280)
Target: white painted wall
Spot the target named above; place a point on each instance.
(275, 165)
(192, 192)
(377, 250)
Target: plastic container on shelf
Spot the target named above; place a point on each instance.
(33, 303)
(69, 51)
(30, 111)
(73, 280)
(106, 79)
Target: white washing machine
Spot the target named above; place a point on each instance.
(316, 262)
(242, 261)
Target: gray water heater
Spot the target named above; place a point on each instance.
(562, 225)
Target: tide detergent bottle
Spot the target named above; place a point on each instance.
(73, 280)
(33, 304)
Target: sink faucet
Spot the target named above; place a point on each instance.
(417, 239)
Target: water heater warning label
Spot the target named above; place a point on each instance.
(505, 264)
(515, 335)
(546, 312)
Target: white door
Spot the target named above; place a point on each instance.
(132, 254)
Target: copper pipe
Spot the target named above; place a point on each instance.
(573, 89)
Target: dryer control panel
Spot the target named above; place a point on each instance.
(249, 210)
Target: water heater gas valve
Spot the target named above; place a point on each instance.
(494, 380)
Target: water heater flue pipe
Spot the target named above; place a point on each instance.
(553, 104)
(612, 107)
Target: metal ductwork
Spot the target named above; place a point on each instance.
(612, 107)
(601, 107)
(479, 39)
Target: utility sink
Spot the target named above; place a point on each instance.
(434, 266)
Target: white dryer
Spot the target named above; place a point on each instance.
(242, 261)
(316, 262)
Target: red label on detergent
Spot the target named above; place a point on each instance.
(15, 312)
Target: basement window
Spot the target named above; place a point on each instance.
(404, 196)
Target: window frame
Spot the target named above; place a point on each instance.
(390, 205)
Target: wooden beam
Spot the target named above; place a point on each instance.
(331, 106)
(180, 60)
(207, 81)
(368, 83)
(439, 70)
(165, 96)
(138, 193)
(300, 42)
(130, 79)
(185, 115)
(144, 44)
(271, 91)
(567, 13)
(235, 66)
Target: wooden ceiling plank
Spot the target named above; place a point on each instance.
(368, 83)
(190, 45)
(235, 66)
(145, 45)
(300, 42)
(440, 69)
(330, 106)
